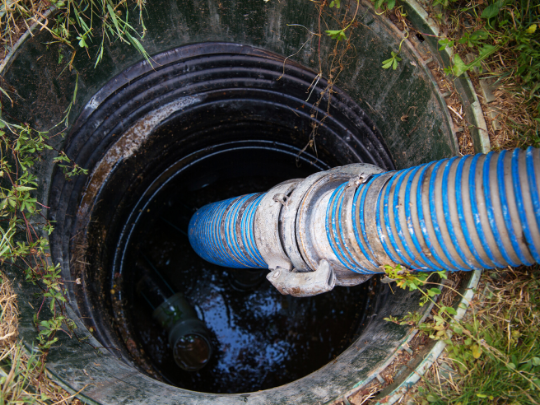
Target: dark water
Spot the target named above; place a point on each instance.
(261, 339)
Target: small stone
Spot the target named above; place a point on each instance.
(446, 371)
(407, 349)
(488, 86)
(469, 58)
(493, 114)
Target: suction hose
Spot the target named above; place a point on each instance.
(343, 225)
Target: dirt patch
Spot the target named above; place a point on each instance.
(9, 319)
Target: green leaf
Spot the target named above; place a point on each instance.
(82, 42)
(492, 10)
(390, 4)
(511, 366)
(112, 14)
(431, 398)
(378, 4)
(445, 42)
(485, 51)
(451, 311)
(335, 3)
(439, 320)
(387, 63)
(76, 88)
(479, 35)
(536, 361)
(338, 35)
(459, 66)
(434, 291)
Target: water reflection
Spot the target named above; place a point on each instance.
(261, 339)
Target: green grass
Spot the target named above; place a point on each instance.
(496, 351)
(23, 379)
(74, 22)
(23, 376)
(493, 356)
(504, 38)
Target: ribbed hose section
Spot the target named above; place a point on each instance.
(222, 232)
(467, 213)
(476, 212)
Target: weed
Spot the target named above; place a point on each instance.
(76, 23)
(23, 378)
(334, 63)
(22, 243)
(339, 35)
(414, 281)
(496, 349)
(389, 4)
(502, 38)
(494, 353)
(394, 59)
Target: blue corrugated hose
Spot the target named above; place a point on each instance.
(466, 213)
(222, 232)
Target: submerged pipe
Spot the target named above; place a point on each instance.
(343, 225)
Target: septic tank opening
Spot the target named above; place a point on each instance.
(260, 338)
(214, 121)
